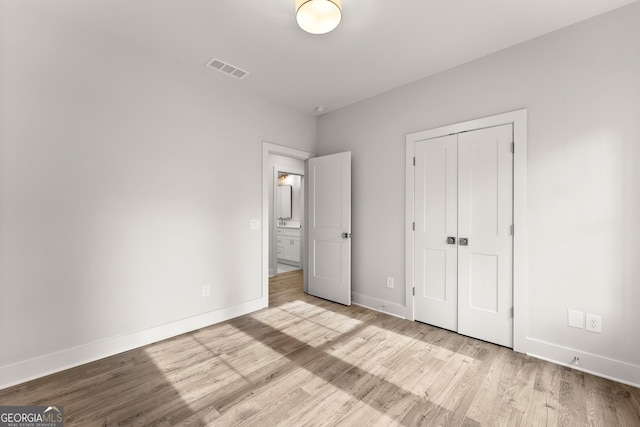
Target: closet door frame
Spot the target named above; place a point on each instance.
(518, 119)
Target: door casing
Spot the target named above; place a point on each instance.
(518, 119)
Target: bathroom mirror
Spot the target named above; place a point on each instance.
(284, 202)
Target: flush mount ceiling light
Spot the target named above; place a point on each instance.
(318, 16)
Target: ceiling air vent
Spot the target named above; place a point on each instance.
(226, 68)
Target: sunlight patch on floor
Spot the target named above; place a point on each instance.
(308, 323)
(223, 364)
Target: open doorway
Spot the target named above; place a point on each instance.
(283, 166)
(288, 200)
(325, 234)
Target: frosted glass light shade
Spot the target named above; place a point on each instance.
(318, 16)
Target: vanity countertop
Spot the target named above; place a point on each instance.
(289, 224)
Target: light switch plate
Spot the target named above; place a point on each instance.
(575, 319)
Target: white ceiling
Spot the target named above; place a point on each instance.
(378, 46)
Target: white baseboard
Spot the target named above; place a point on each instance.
(379, 305)
(27, 370)
(600, 366)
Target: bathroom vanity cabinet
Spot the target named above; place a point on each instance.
(288, 245)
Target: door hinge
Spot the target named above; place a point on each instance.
(511, 311)
(413, 227)
(414, 291)
(414, 160)
(512, 229)
(513, 147)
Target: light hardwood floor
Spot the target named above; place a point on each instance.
(306, 361)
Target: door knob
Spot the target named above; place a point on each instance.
(451, 240)
(346, 235)
(464, 241)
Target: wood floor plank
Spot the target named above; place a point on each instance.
(600, 402)
(518, 391)
(487, 401)
(279, 409)
(307, 361)
(542, 410)
(458, 401)
(410, 392)
(204, 417)
(544, 400)
(627, 404)
(572, 398)
(400, 376)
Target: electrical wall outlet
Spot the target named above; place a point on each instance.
(254, 224)
(390, 282)
(575, 319)
(206, 291)
(594, 323)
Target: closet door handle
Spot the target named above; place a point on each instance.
(464, 241)
(451, 240)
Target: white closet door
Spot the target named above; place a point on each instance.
(463, 243)
(435, 221)
(485, 217)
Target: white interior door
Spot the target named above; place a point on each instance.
(329, 227)
(463, 244)
(436, 296)
(485, 216)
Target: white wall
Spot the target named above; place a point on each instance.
(581, 86)
(125, 185)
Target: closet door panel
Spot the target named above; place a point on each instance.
(485, 216)
(435, 215)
